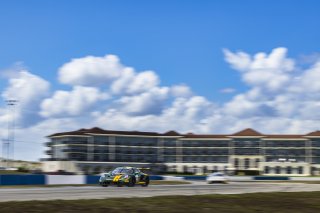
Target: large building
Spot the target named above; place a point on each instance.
(247, 151)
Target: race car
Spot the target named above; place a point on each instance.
(217, 177)
(124, 176)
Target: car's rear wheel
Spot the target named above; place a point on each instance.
(146, 183)
(132, 182)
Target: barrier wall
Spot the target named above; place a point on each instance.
(65, 179)
(55, 179)
(94, 179)
(22, 180)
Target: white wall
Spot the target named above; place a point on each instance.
(65, 179)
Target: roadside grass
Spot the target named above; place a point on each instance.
(153, 182)
(284, 202)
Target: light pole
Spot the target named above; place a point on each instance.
(11, 103)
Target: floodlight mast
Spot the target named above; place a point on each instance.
(9, 144)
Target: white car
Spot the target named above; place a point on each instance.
(217, 177)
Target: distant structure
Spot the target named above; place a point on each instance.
(8, 144)
(244, 152)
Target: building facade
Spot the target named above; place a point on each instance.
(247, 151)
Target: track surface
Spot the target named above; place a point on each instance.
(197, 188)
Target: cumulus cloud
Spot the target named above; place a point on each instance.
(277, 94)
(130, 82)
(151, 102)
(29, 90)
(183, 114)
(90, 70)
(181, 91)
(71, 103)
(269, 71)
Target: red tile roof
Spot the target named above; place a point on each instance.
(315, 133)
(246, 132)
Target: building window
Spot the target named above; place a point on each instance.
(246, 163)
(289, 170)
(205, 169)
(185, 169)
(257, 163)
(300, 170)
(236, 163)
(266, 169)
(278, 170)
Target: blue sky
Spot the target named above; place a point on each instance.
(194, 51)
(180, 40)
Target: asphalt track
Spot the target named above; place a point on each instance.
(197, 188)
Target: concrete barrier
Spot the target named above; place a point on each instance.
(305, 178)
(240, 178)
(65, 179)
(173, 178)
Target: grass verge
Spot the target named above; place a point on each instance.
(285, 202)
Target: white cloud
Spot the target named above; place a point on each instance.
(151, 102)
(182, 115)
(271, 72)
(228, 90)
(181, 91)
(91, 71)
(71, 103)
(134, 83)
(28, 90)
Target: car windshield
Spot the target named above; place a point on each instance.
(122, 171)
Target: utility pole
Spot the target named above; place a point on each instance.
(9, 144)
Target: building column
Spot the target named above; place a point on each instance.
(160, 151)
(112, 148)
(90, 149)
(179, 157)
(308, 149)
